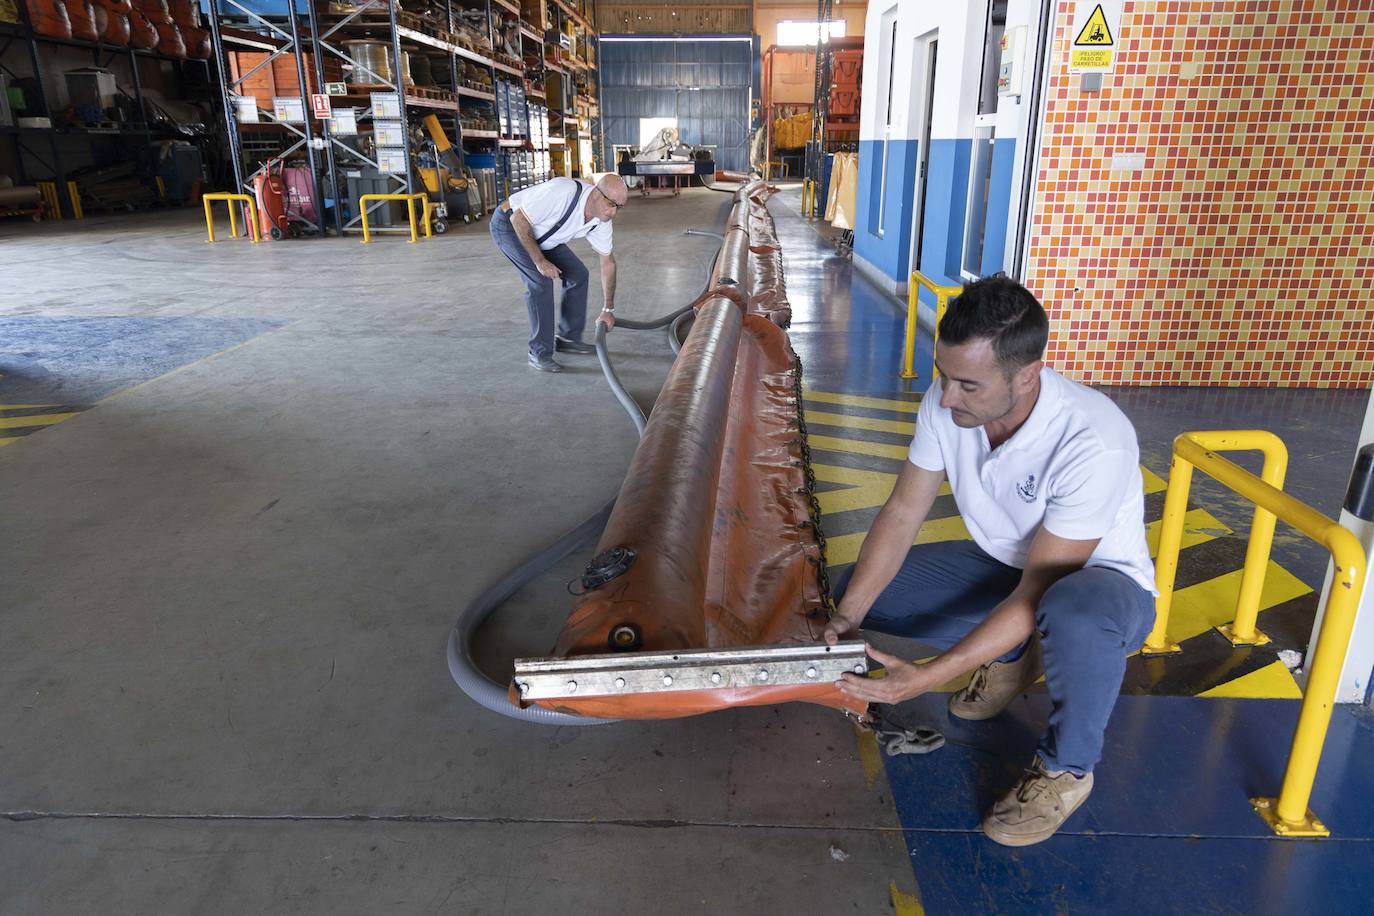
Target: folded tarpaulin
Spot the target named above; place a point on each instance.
(717, 509)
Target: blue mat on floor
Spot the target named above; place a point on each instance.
(78, 361)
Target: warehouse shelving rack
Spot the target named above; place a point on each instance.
(313, 39)
(102, 56)
(278, 42)
(318, 42)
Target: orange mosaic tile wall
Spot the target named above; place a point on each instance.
(1243, 253)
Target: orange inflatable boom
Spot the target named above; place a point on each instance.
(708, 589)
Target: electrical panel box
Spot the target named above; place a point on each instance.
(1013, 60)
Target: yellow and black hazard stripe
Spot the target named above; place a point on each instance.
(20, 420)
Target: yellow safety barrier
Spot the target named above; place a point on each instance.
(74, 195)
(808, 206)
(1242, 631)
(942, 296)
(410, 200)
(1288, 815)
(52, 206)
(231, 199)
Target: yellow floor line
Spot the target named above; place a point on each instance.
(6, 440)
(904, 904)
(1198, 608)
(1199, 527)
(854, 400)
(845, 421)
(42, 419)
(1272, 682)
(845, 547)
(866, 489)
(26, 406)
(1153, 482)
(870, 758)
(857, 447)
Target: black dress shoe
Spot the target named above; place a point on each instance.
(544, 363)
(563, 345)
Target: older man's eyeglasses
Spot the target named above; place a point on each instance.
(609, 201)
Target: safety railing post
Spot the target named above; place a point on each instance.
(942, 294)
(1242, 631)
(1288, 815)
(1166, 557)
(232, 201)
(410, 200)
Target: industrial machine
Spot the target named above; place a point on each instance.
(662, 163)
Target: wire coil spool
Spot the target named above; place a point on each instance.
(372, 60)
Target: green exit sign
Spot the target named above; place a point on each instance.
(336, 89)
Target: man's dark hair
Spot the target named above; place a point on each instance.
(1000, 310)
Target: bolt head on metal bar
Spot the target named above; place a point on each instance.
(620, 673)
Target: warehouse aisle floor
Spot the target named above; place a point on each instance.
(249, 491)
(248, 488)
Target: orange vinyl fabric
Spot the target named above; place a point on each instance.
(716, 502)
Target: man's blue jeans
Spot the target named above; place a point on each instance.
(1088, 622)
(539, 288)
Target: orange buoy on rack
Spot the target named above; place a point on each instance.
(81, 15)
(169, 40)
(197, 43)
(185, 13)
(49, 17)
(142, 33)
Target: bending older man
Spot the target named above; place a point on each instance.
(532, 228)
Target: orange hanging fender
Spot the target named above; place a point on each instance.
(725, 599)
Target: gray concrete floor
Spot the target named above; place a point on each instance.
(227, 592)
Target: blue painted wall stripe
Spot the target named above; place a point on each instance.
(891, 252)
(999, 201)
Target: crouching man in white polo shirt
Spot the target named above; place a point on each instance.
(1057, 578)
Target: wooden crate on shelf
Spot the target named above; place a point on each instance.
(279, 77)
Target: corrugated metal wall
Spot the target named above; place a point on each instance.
(704, 84)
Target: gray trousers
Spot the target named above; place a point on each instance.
(539, 288)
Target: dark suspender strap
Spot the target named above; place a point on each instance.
(577, 196)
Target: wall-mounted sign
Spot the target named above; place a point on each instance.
(1095, 36)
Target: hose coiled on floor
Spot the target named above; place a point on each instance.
(469, 678)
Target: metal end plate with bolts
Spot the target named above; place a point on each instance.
(620, 673)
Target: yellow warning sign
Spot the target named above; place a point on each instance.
(1094, 43)
(1095, 32)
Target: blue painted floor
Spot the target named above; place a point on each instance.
(1169, 828)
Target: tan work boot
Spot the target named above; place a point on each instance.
(1036, 808)
(996, 684)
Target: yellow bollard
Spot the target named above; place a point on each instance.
(942, 293)
(1241, 631)
(74, 196)
(231, 200)
(52, 206)
(410, 200)
(1166, 558)
(1288, 814)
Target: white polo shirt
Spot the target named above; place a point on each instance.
(545, 203)
(1073, 467)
